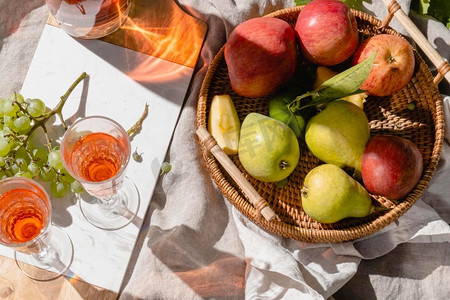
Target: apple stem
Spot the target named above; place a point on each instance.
(390, 59)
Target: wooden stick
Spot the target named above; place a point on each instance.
(257, 201)
(442, 66)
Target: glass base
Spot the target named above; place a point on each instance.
(115, 213)
(54, 264)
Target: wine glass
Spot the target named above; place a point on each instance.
(91, 19)
(96, 151)
(42, 251)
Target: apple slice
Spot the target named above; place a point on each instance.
(223, 123)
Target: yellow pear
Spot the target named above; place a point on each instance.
(338, 134)
(329, 194)
(324, 73)
(223, 123)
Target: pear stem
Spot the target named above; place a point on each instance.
(284, 164)
(357, 175)
(304, 192)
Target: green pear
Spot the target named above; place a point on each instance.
(268, 149)
(338, 134)
(329, 194)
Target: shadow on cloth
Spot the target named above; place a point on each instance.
(411, 268)
(189, 249)
(208, 272)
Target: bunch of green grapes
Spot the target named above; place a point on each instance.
(19, 117)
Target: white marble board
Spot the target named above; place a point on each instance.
(120, 82)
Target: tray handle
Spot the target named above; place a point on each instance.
(443, 67)
(257, 201)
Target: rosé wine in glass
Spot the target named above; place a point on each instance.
(96, 151)
(42, 250)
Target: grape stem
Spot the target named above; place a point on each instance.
(137, 127)
(58, 108)
(40, 121)
(10, 164)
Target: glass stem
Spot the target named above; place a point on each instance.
(115, 205)
(49, 256)
(109, 203)
(46, 254)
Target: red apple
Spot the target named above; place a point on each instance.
(327, 31)
(261, 56)
(391, 166)
(393, 66)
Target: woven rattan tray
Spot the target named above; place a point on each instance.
(387, 115)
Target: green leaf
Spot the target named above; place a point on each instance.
(341, 85)
(423, 6)
(356, 4)
(438, 9)
(302, 2)
(346, 82)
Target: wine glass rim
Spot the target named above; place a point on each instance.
(121, 171)
(49, 206)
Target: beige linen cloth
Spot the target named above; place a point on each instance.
(195, 245)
